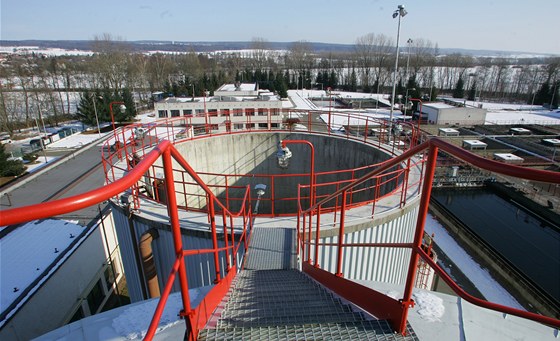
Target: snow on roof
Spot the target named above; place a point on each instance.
(28, 251)
(437, 105)
(130, 322)
(242, 87)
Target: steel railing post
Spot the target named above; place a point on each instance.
(419, 234)
(341, 235)
(212, 216)
(177, 237)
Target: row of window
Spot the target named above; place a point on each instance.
(99, 294)
(215, 112)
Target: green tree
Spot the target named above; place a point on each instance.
(9, 167)
(459, 92)
(472, 92)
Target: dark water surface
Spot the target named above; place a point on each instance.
(529, 243)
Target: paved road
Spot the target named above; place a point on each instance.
(78, 172)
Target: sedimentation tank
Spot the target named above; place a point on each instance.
(382, 209)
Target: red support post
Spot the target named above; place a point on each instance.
(422, 213)
(341, 235)
(177, 237)
(317, 234)
(212, 216)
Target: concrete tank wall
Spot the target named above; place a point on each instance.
(255, 155)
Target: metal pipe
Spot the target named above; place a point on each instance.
(148, 263)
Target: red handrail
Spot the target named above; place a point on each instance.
(167, 151)
(399, 322)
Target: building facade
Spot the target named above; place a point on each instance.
(233, 107)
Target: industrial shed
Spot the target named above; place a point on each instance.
(445, 114)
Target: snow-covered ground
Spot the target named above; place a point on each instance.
(479, 276)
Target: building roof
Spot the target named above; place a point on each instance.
(28, 254)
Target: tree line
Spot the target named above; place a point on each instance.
(54, 88)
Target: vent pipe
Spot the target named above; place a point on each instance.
(148, 263)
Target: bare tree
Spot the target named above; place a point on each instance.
(111, 58)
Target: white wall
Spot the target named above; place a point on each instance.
(55, 301)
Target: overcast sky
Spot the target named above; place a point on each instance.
(507, 25)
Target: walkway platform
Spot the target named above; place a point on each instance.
(272, 300)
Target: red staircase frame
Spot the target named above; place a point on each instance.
(378, 304)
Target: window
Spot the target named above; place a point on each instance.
(249, 112)
(238, 126)
(250, 125)
(212, 112)
(109, 275)
(225, 112)
(238, 112)
(187, 112)
(78, 315)
(162, 113)
(274, 112)
(175, 113)
(95, 297)
(199, 112)
(262, 112)
(263, 125)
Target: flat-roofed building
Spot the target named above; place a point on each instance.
(233, 106)
(441, 113)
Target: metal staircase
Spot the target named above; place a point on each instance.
(272, 300)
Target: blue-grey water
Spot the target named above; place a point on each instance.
(529, 243)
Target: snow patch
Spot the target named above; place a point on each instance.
(133, 322)
(429, 306)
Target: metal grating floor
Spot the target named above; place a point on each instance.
(272, 248)
(273, 301)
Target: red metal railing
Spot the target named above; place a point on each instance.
(397, 311)
(195, 318)
(134, 141)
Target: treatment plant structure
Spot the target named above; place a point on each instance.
(268, 232)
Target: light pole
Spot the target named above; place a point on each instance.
(94, 98)
(406, 100)
(399, 12)
(122, 109)
(329, 92)
(409, 42)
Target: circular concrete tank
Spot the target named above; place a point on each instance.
(239, 160)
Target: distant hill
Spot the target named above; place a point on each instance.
(206, 46)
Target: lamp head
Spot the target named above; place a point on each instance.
(122, 108)
(283, 155)
(260, 188)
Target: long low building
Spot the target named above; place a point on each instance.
(233, 106)
(441, 113)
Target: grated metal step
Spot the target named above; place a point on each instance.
(376, 330)
(270, 300)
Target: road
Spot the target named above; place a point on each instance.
(75, 173)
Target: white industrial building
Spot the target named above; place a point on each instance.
(445, 114)
(56, 263)
(233, 107)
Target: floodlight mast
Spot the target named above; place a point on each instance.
(399, 12)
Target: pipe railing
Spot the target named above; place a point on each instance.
(398, 310)
(194, 318)
(133, 141)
